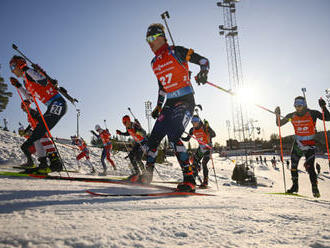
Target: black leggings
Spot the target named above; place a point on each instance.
(309, 154)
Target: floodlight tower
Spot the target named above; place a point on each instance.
(148, 111)
(230, 31)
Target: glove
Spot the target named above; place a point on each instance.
(322, 103)
(201, 77)
(21, 132)
(155, 112)
(118, 132)
(277, 111)
(15, 82)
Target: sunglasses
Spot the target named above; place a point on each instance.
(12, 66)
(300, 103)
(195, 120)
(152, 38)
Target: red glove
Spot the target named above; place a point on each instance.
(15, 82)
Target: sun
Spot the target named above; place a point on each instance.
(246, 95)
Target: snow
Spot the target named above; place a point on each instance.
(54, 213)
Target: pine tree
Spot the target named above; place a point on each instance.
(4, 95)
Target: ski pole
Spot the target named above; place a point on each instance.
(50, 135)
(198, 140)
(62, 90)
(130, 166)
(279, 131)
(326, 137)
(215, 175)
(105, 124)
(164, 15)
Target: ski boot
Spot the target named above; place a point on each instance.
(104, 173)
(205, 183)
(55, 162)
(133, 178)
(28, 165)
(147, 176)
(315, 190)
(294, 188)
(43, 167)
(188, 184)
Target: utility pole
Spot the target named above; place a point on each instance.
(78, 115)
(148, 111)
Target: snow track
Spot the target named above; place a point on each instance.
(53, 213)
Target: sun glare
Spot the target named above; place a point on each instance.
(246, 95)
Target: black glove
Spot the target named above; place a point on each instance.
(118, 132)
(277, 111)
(155, 112)
(201, 77)
(15, 82)
(322, 103)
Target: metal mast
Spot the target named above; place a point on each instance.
(230, 31)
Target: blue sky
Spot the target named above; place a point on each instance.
(97, 51)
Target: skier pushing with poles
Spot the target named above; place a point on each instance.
(135, 130)
(303, 121)
(104, 135)
(204, 134)
(80, 142)
(36, 84)
(170, 66)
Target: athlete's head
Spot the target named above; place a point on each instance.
(16, 64)
(196, 121)
(126, 120)
(156, 36)
(300, 103)
(98, 128)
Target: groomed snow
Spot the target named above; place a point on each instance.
(49, 213)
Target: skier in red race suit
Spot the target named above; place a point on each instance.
(37, 85)
(204, 134)
(170, 66)
(78, 141)
(135, 130)
(105, 135)
(303, 121)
